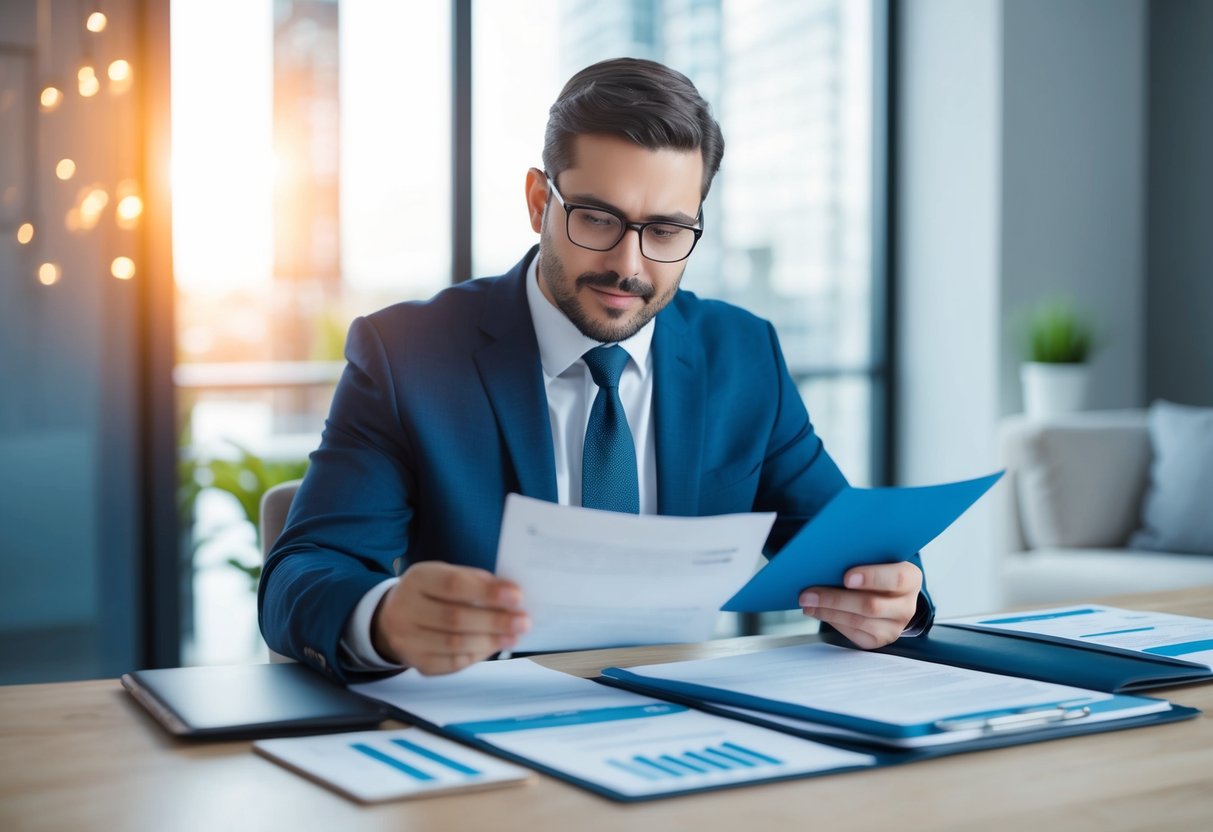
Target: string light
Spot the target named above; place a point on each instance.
(128, 211)
(119, 70)
(66, 169)
(123, 268)
(48, 274)
(91, 206)
(87, 81)
(25, 233)
(51, 97)
(96, 22)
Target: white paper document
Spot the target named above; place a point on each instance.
(613, 740)
(1160, 634)
(372, 766)
(887, 698)
(603, 579)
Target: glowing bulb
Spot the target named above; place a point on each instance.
(87, 80)
(128, 211)
(66, 169)
(96, 22)
(51, 97)
(119, 71)
(91, 206)
(123, 268)
(48, 274)
(25, 233)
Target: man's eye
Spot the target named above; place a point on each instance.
(665, 232)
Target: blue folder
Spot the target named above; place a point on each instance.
(858, 526)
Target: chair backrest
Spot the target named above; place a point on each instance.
(275, 504)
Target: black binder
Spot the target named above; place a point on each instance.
(1047, 661)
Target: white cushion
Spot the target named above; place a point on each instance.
(1055, 576)
(1177, 514)
(1079, 482)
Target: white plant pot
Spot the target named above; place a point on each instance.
(1053, 389)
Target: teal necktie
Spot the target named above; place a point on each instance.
(608, 462)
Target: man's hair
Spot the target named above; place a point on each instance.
(642, 101)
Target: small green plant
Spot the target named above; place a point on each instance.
(1058, 334)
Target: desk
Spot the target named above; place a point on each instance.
(84, 755)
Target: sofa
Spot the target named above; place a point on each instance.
(1078, 492)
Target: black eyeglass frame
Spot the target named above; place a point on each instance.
(625, 225)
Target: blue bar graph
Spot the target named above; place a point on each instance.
(694, 763)
(387, 759)
(454, 765)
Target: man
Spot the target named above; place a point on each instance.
(584, 376)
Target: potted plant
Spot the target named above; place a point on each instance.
(1055, 375)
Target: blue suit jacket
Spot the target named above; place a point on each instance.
(441, 412)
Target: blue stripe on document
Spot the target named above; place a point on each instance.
(1117, 632)
(1181, 649)
(436, 757)
(559, 718)
(399, 765)
(1021, 619)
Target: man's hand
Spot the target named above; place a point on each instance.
(441, 618)
(876, 606)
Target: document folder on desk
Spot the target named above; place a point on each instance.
(1089, 645)
(616, 743)
(834, 693)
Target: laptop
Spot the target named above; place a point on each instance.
(249, 701)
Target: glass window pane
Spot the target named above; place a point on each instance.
(789, 218)
(316, 147)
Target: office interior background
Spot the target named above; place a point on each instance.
(197, 197)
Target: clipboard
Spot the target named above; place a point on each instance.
(946, 734)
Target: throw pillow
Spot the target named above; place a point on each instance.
(1177, 514)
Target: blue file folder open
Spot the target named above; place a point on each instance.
(859, 526)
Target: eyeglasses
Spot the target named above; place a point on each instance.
(601, 229)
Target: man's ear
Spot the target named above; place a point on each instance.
(536, 197)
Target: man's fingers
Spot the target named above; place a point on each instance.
(864, 632)
(856, 602)
(442, 616)
(896, 578)
(466, 585)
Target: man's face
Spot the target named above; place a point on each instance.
(609, 295)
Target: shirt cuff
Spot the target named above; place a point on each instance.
(357, 650)
(924, 617)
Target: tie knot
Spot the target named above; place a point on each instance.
(606, 364)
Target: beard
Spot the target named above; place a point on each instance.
(622, 323)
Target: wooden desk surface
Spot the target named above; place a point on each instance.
(84, 755)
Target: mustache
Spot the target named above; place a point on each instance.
(611, 280)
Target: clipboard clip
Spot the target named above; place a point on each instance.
(1026, 718)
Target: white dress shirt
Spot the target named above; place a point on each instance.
(570, 393)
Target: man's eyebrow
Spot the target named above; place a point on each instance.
(591, 200)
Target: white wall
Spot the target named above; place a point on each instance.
(1073, 181)
(1020, 156)
(947, 158)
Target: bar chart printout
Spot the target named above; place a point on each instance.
(372, 766)
(659, 748)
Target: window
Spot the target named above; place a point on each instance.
(313, 140)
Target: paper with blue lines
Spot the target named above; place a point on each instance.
(1156, 634)
(373, 766)
(613, 740)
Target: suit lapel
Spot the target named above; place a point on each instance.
(679, 395)
(513, 380)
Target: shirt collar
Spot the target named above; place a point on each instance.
(561, 343)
